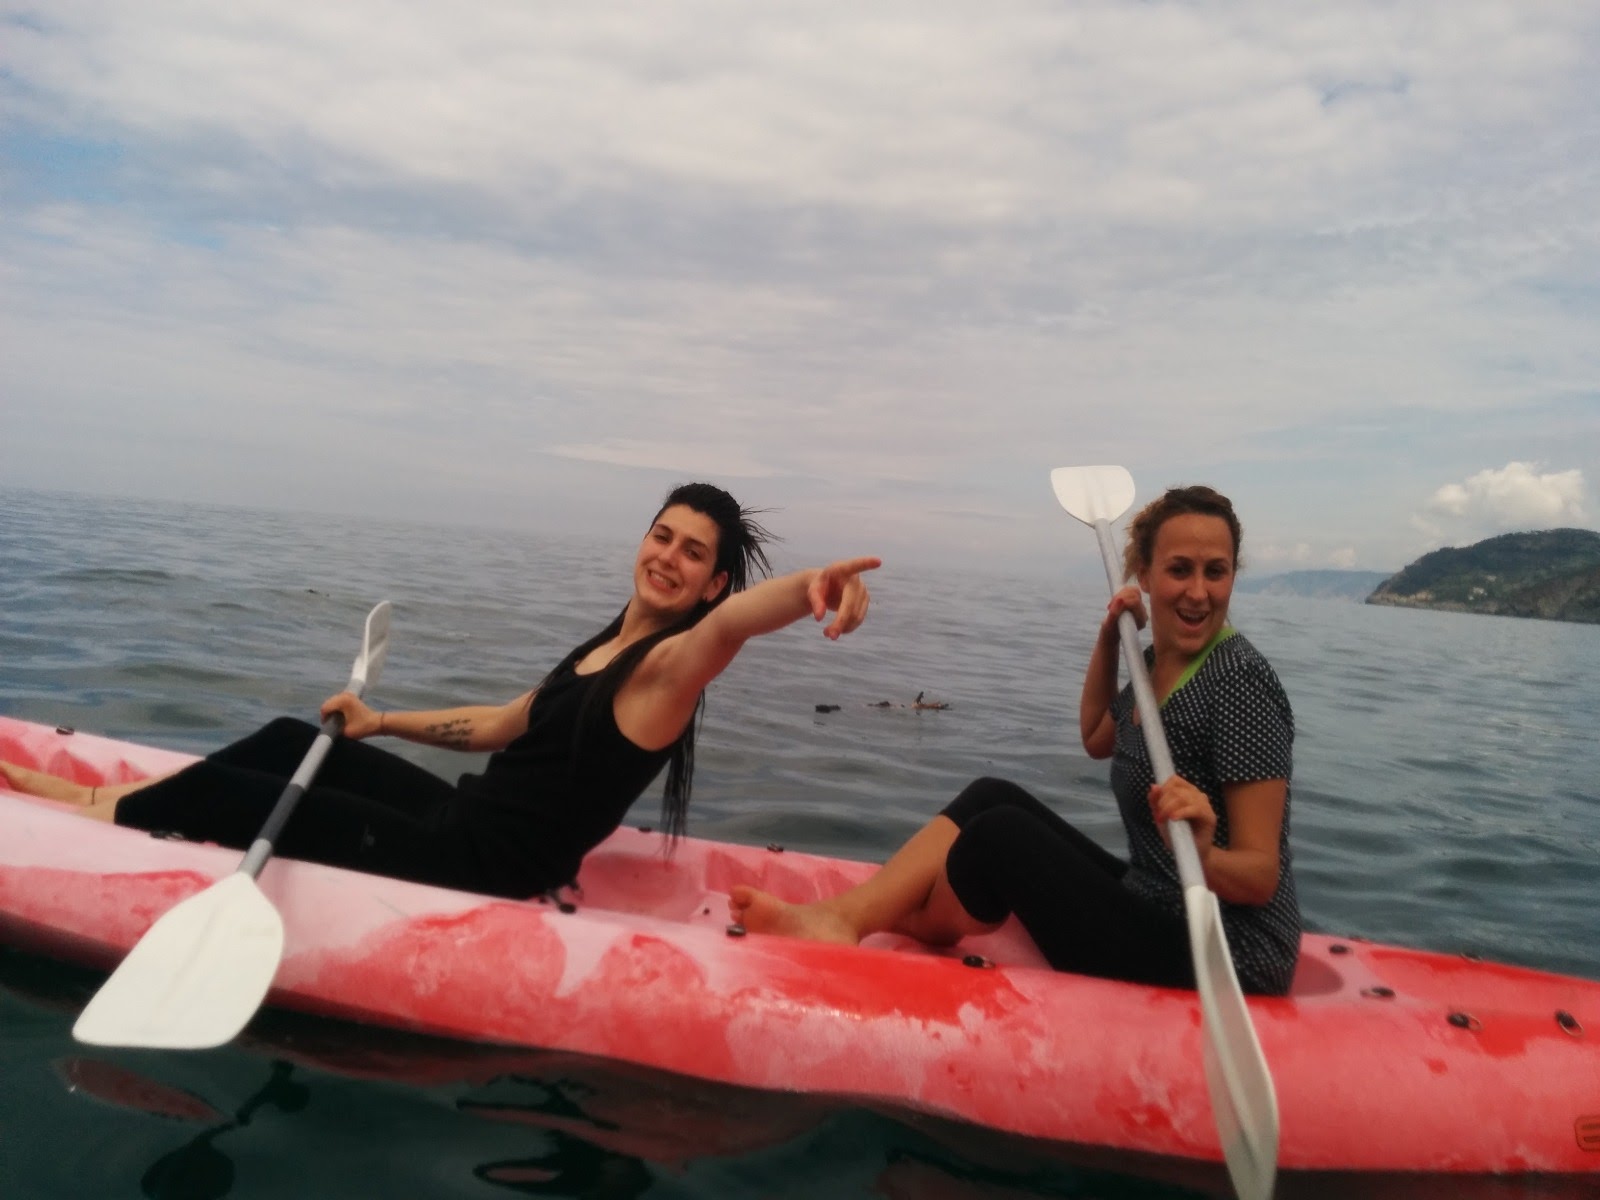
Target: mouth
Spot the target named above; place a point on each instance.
(1191, 619)
(660, 582)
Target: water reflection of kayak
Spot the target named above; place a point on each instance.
(1386, 1060)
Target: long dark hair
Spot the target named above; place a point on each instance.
(741, 553)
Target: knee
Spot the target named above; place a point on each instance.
(982, 795)
(288, 727)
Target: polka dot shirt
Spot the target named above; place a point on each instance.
(1230, 722)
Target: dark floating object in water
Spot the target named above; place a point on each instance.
(918, 703)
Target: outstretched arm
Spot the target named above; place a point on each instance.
(471, 727)
(660, 697)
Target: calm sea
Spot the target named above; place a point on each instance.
(1445, 796)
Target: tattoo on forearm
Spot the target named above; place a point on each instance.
(452, 735)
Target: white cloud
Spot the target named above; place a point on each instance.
(1514, 497)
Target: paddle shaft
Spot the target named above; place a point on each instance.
(261, 849)
(1144, 696)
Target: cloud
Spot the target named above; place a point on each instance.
(882, 260)
(1514, 497)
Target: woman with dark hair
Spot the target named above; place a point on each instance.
(996, 851)
(569, 757)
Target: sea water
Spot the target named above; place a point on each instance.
(1445, 796)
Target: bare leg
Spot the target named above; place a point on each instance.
(52, 787)
(909, 895)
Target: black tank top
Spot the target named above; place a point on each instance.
(553, 795)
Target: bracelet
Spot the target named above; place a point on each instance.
(381, 718)
(92, 791)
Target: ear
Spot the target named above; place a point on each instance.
(714, 589)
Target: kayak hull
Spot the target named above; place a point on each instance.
(1386, 1060)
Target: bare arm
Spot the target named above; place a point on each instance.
(1095, 723)
(1246, 870)
(653, 706)
(471, 727)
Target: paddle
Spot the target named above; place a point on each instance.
(1243, 1101)
(199, 974)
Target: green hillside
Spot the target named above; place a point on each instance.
(1553, 574)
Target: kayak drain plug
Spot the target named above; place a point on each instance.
(1379, 993)
(1569, 1023)
(976, 960)
(1463, 1020)
(736, 930)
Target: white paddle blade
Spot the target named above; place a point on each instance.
(1243, 1100)
(1093, 493)
(374, 649)
(196, 977)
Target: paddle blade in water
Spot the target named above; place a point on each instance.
(1243, 1100)
(196, 977)
(1093, 493)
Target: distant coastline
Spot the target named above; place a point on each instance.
(1353, 586)
(1553, 575)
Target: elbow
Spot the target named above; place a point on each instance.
(1098, 747)
(1260, 888)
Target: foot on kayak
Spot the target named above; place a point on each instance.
(47, 787)
(761, 912)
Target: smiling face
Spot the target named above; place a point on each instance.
(676, 567)
(1189, 580)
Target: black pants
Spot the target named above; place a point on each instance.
(367, 809)
(1015, 856)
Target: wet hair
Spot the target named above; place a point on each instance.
(1176, 502)
(741, 552)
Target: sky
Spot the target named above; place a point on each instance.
(876, 268)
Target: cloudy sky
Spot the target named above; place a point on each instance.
(877, 266)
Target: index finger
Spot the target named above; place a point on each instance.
(854, 566)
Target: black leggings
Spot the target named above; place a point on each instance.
(1015, 856)
(367, 809)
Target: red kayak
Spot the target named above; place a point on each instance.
(1387, 1061)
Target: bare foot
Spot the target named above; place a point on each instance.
(48, 787)
(761, 912)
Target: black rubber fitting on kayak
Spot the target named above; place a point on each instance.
(1379, 993)
(1338, 948)
(65, 730)
(736, 930)
(1463, 1020)
(644, 829)
(1569, 1023)
(775, 847)
(976, 960)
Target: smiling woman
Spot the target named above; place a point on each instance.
(569, 758)
(996, 851)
